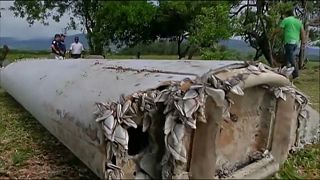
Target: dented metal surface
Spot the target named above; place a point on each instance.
(167, 119)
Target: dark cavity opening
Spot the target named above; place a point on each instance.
(138, 140)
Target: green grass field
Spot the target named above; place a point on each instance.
(28, 150)
(16, 54)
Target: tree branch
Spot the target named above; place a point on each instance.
(240, 9)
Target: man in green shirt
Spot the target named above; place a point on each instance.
(292, 29)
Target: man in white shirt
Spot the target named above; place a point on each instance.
(76, 48)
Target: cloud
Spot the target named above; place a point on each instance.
(17, 27)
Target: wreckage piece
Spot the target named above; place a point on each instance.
(166, 118)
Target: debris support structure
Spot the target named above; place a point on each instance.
(166, 118)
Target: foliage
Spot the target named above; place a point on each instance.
(219, 53)
(212, 25)
(125, 22)
(34, 10)
(155, 48)
(3, 53)
(176, 18)
(314, 35)
(175, 21)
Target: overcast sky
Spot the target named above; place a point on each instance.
(18, 28)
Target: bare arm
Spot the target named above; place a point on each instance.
(303, 36)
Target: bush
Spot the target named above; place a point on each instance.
(220, 53)
(217, 52)
(156, 48)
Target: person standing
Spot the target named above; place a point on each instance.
(62, 46)
(293, 32)
(55, 47)
(76, 48)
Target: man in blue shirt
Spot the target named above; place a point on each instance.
(55, 49)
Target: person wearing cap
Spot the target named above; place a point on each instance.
(62, 46)
(55, 47)
(76, 48)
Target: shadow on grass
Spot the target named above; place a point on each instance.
(30, 144)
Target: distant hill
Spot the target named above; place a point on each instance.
(313, 53)
(238, 45)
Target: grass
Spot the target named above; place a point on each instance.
(304, 164)
(308, 82)
(20, 155)
(28, 150)
(16, 54)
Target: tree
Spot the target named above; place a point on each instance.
(252, 25)
(4, 52)
(126, 22)
(82, 10)
(308, 8)
(212, 25)
(174, 20)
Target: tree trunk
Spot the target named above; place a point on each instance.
(95, 46)
(179, 48)
(301, 55)
(264, 42)
(305, 26)
(98, 47)
(90, 43)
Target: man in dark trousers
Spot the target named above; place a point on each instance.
(293, 31)
(62, 46)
